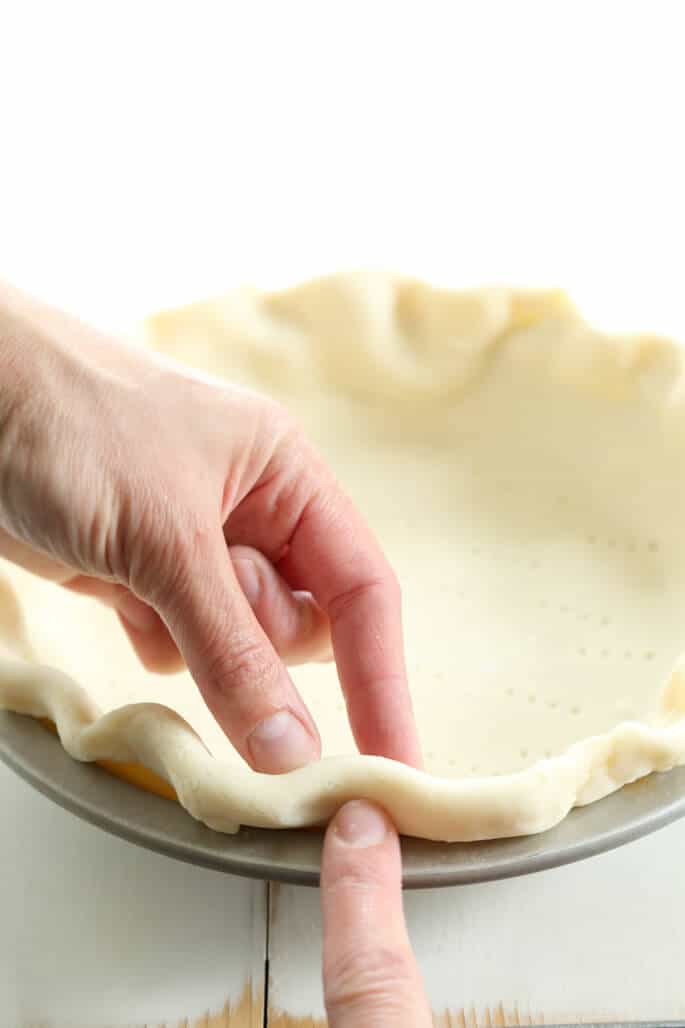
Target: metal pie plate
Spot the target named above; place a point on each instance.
(294, 855)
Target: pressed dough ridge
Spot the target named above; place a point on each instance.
(455, 394)
(224, 796)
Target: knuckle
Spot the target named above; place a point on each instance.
(392, 586)
(378, 587)
(292, 445)
(277, 420)
(164, 550)
(368, 979)
(247, 665)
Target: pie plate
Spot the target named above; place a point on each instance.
(294, 855)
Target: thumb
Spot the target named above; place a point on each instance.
(238, 672)
(369, 971)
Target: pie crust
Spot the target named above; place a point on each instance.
(526, 476)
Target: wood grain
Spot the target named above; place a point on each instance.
(279, 1019)
(105, 934)
(488, 1017)
(596, 941)
(248, 1012)
(496, 1017)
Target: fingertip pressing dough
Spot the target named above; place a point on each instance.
(526, 476)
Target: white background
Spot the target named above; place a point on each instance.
(155, 152)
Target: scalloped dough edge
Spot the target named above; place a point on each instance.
(414, 316)
(225, 796)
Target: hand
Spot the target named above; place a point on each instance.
(370, 975)
(204, 517)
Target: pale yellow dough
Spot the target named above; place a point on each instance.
(526, 476)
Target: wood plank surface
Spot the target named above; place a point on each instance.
(600, 940)
(101, 934)
(97, 933)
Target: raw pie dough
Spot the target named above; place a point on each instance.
(525, 475)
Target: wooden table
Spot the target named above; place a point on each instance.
(98, 933)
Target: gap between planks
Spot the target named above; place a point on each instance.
(249, 1010)
(496, 1016)
(253, 1009)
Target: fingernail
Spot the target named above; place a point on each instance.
(137, 613)
(248, 578)
(281, 743)
(360, 824)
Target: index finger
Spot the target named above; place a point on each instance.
(333, 554)
(369, 971)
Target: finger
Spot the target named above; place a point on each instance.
(153, 643)
(333, 554)
(146, 631)
(293, 621)
(369, 971)
(239, 674)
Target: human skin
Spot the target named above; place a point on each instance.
(370, 975)
(204, 518)
(178, 499)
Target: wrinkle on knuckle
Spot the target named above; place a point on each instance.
(277, 431)
(246, 665)
(288, 497)
(159, 572)
(348, 599)
(284, 428)
(368, 979)
(166, 551)
(393, 586)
